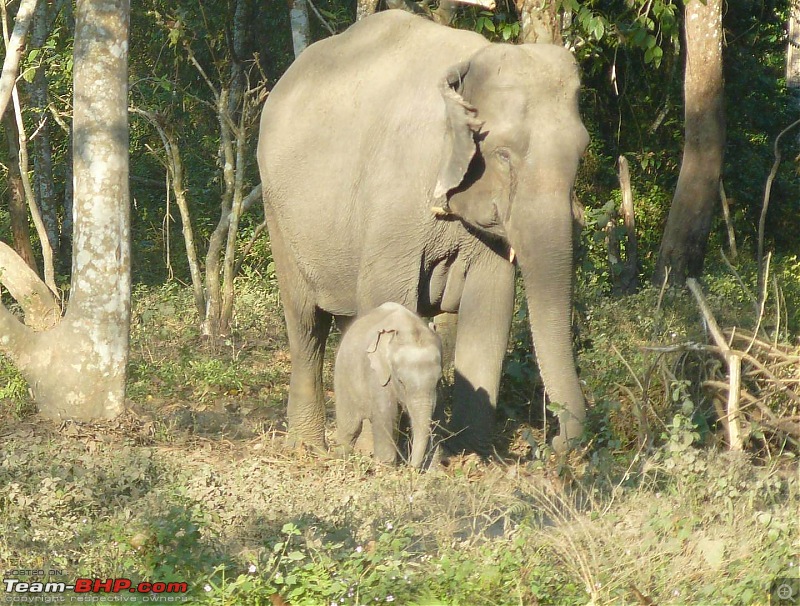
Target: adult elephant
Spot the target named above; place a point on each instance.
(406, 161)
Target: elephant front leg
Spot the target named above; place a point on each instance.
(384, 429)
(484, 322)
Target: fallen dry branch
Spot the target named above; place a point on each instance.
(734, 361)
(764, 399)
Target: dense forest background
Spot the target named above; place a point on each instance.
(193, 483)
(631, 57)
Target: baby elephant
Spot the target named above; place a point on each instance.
(388, 357)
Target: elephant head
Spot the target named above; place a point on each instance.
(513, 142)
(406, 358)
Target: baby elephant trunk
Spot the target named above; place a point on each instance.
(420, 411)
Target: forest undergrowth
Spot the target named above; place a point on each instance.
(195, 485)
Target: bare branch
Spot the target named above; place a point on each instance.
(322, 20)
(765, 205)
(734, 362)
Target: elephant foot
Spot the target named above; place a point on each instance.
(341, 452)
(297, 443)
(569, 437)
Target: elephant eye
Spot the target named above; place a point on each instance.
(503, 153)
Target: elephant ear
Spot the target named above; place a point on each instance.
(378, 355)
(459, 142)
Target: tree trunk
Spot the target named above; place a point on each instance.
(30, 196)
(65, 244)
(42, 149)
(18, 210)
(364, 8)
(539, 21)
(301, 30)
(77, 369)
(793, 48)
(629, 276)
(683, 248)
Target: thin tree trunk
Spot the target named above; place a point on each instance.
(629, 277)
(65, 249)
(18, 210)
(238, 104)
(174, 166)
(211, 323)
(301, 30)
(41, 231)
(726, 214)
(683, 247)
(228, 270)
(42, 149)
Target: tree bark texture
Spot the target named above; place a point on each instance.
(539, 21)
(793, 47)
(77, 369)
(364, 8)
(629, 276)
(42, 148)
(683, 247)
(301, 29)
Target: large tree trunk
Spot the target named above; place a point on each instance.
(683, 248)
(539, 21)
(77, 369)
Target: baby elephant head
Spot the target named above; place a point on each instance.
(406, 358)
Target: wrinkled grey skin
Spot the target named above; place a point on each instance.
(389, 357)
(363, 135)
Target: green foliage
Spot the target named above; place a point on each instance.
(14, 398)
(498, 26)
(758, 107)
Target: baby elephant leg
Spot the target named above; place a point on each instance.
(384, 435)
(348, 428)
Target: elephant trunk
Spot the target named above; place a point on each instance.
(541, 234)
(420, 411)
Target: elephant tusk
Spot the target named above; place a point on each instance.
(440, 211)
(511, 254)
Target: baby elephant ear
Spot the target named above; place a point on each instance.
(459, 143)
(378, 355)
